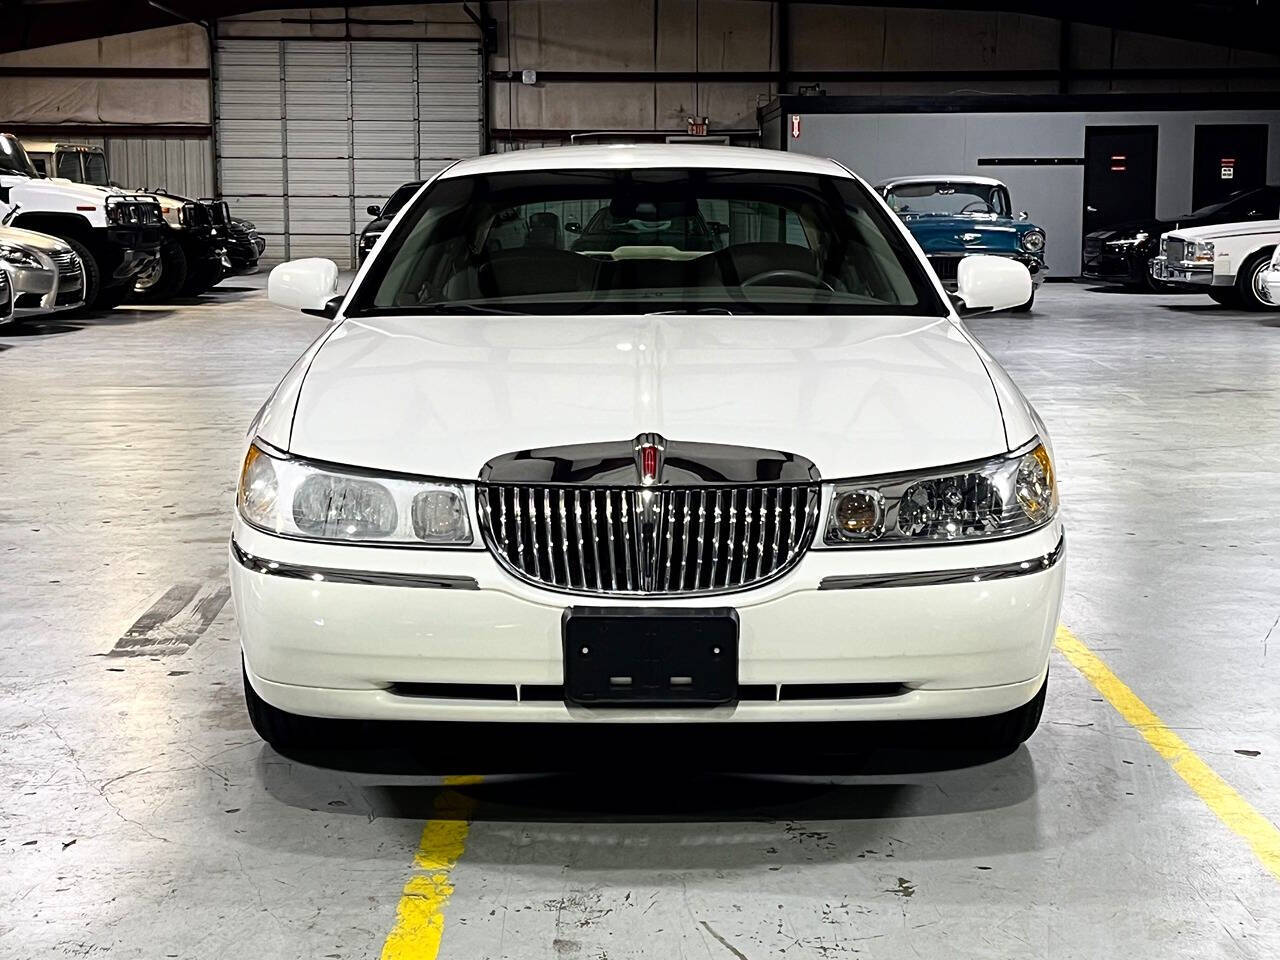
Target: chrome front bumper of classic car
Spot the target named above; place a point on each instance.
(945, 265)
(381, 633)
(1182, 271)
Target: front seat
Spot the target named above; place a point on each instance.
(545, 231)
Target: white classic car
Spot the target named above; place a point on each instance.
(1225, 260)
(728, 455)
(44, 272)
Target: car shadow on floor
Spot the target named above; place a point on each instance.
(652, 775)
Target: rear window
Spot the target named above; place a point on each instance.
(648, 240)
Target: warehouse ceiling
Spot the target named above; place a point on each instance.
(1244, 24)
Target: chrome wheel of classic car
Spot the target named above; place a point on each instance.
(1252, 289)
(634, 434)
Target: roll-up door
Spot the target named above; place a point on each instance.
(310, 133)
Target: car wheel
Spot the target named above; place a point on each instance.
(1026, 307)
(92, 274)
(111, 297)
(290, 731)
(1249, 283)
(164, 278)
(1006, 731)
(1226, 297)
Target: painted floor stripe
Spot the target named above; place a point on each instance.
(420, 915)
(1218, 795)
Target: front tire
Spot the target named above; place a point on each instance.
(290, 731)
(1249, 283)
(165, 278)
(1225, 297)
(92, 272)
(1006, 731)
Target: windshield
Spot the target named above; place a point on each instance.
(1238, 202)
(13, 159)
(398, 199)
(554, 241)
(95, 169)
(944, 199)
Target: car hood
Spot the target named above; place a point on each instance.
(943, 234)
(29, 238)
(1131, 227)
(59, 187)
(1218, 231)
(442, 396)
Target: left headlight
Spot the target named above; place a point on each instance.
(293, 498)
(1033, 241)
(1136, 240)
(19, 256)
(1200, 251)
(1002, 497)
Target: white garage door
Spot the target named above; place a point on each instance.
(312, 132)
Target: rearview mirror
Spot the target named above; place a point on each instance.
(718, 227)
(308, 285)
(984, 284)
(373, 210)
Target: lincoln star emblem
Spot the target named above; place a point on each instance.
(970, 237)
(649, 455)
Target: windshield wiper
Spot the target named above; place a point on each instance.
(436, 308)
(723, 311)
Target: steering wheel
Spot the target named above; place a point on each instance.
(986, 207)
(808, 279)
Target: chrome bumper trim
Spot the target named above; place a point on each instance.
(292, 571)
(933, 578)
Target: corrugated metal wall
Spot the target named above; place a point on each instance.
(296, 160)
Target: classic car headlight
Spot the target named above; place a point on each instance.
(1002, 497)
(19, 256)
(294, 498)
(1200, 251)
(1033, 241)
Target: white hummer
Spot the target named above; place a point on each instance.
(193, 255)
(116, 235)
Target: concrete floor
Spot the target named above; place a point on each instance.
(140, 816)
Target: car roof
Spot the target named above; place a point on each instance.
(622, 156)
(49, 146)
(940, 178)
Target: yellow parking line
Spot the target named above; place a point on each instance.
(420, 915)
(1218, 795)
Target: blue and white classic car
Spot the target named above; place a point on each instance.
(952, 217)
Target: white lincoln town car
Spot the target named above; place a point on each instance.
(665, 434)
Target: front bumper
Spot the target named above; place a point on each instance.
(955, 638)
(1182, 271)
(1115, 267)
(135, 248)
(946, 265)
(38, 291)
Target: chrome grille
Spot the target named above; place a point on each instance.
(947, 268)
(1175, 250)
(70, 278)
(647, 540)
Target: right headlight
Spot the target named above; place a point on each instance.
(1001, 497)
(1033, 241)
(1200, 251)
(291, 497)
(19, 256)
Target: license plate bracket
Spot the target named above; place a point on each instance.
(642, 656)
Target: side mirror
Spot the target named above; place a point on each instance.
(573, 226)
(1024, 215)
(718, 227)
(984, 284)
(373, 210)
(309, 285)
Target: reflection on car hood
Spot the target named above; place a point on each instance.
(29, 238)
(442, 395)
(1219, 231)
(1131, 227)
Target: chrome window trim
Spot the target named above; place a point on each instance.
(933, 578)
(294, 571)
